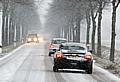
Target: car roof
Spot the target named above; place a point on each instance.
(74, 44)
(59, 39)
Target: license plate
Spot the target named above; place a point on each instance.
(75, 58)
(73, 54)
(74, 63)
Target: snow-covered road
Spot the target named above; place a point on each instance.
(30, 63)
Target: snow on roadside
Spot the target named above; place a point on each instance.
(106, 64)
(5, 73)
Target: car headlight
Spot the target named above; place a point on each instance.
(29, 39)
(40, 39)
(35, 39)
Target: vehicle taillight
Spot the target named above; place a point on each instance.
(59, 56)
(51, 46)
(88, 56)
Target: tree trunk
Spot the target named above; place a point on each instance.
(93, 17)
(13, 32)
(65, 33)
(70, 33)
(112, 50)
(3, 22)
(88, 20)
(73, 33)
(93, 32)
(18, 33)
(6, 31)
(78, 30)
(99, 30)
(10, 31)
(3, 29)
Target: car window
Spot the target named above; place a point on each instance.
(72, 48)
(32, 35)
(58, 41)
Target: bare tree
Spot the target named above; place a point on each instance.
(17, 14)
(88, 21)
(93, 5)
(99, 28)
(115, 4)
(101, 5)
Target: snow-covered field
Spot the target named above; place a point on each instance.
(106, 50)
(107, 43)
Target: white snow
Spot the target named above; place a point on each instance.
(15, 59)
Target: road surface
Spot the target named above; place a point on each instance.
(30, 63)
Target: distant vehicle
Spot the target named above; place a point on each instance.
(32, 38)
(73, 56)
(54, 45)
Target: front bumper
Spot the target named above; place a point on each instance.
(72, 64)
(32, 41)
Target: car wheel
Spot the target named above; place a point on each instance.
(49, 54)
(90, 69)
(55, 69)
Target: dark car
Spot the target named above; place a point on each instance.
(54, 45)
(73, 56)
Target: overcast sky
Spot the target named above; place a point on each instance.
(106, 24)
(44, 6)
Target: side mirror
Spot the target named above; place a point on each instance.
(61, 47)
(0, 46)
(90, 51)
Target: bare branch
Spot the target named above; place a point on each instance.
(96, 15)
(117, 4)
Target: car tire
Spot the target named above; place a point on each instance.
(49, 54)
(55, 69)
(90, 69)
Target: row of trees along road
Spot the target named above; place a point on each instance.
(16, 20)
(65, 16)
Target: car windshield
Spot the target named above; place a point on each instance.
(73, 48)
(58, 41)
(32, 35)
